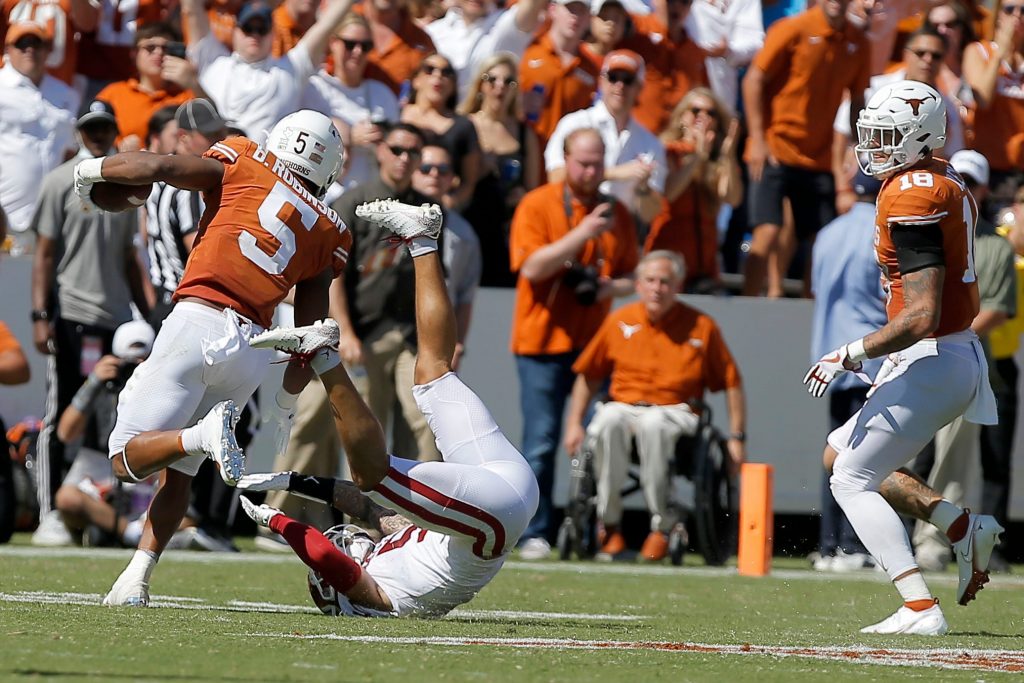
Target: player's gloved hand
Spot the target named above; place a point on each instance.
(87, 173)
(265, 481)
(261, 514)
(279, 416)
(827, 368)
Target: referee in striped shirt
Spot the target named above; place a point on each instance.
(172, 214)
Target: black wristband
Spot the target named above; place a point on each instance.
(40, 314)
(317, 488)
(739, 436)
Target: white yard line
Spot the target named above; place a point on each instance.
(958, 658)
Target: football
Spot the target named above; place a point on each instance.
(119, 197)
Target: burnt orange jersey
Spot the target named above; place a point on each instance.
(56, 16)
(261, 233)
(924, 195)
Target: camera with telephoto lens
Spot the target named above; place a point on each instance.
(584, 282)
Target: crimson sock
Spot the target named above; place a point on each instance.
(319, 554)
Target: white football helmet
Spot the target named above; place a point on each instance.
(352, 541)
(310, 145)
(900, 124)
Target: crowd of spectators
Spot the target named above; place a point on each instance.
(564, 139)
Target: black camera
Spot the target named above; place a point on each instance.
(584, 282)
(176, 49)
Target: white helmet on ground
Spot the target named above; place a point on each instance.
(310, 145)
(899, 126)
(352, 541)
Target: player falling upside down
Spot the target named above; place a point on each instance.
(935, 370)
(458, 518)
(265, 230)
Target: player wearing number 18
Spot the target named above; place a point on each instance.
(935, 370)
(265, 229)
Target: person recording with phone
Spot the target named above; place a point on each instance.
(165, 78)
(574, 249)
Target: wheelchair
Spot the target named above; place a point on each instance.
(699, 467)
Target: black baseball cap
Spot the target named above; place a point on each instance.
(199, 115)
(865, 185)
(98, 111)
(253, 10)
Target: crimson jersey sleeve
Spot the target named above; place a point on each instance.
(927, 197)
(261, 233)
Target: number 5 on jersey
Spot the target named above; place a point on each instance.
(281, 215)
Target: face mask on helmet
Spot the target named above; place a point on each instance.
(900, 125)
(352, 541)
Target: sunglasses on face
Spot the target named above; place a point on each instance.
(27, 42)
(442, 169)
(1017, 10)
(623, 77)
(150, 48)
(351, 45)
(696, 111)
(934, 54)
(499, 80)
(259, 29)
(412, 152)
(431, 69)
(954, 23)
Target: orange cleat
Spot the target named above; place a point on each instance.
(612, 542)
(655, 547)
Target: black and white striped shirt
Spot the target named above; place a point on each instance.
(171, 213)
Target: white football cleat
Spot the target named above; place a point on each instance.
(405, 220)
(217, 430)
(905, 621)
(973, 553)
(261, 514)
(302, 342)
(128, 591)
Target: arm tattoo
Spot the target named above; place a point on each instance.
(922, 297)
(354, 503)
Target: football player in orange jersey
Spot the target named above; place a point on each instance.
(935, 369)
(265, 230)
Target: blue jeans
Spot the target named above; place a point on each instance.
(545, 382)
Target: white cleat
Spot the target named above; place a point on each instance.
(261, 514)
(218, 436)
(973, 553)
(905, 621)
(128, 591)
(302, 342)
(405, 220)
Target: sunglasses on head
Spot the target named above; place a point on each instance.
(1017, 10)
(351, 45)
(256, 29)
(499, 80)
(431, 69)
(623, 77)
(920, 54)
(397, 150)
(442, 169)
(30, 42)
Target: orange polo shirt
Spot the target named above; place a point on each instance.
(8, 342)
(395, 63)
(999, 128)
(672, 69)
(133, 106)
(672, 361)
(287, 33)
(808, 67)
(568, 87)
(548, 319)
(687, 225)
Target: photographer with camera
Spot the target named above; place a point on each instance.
(89, 495)
(165, 78)
(574, 249)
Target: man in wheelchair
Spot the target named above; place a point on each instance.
(661, 356)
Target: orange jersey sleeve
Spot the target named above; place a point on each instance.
(261, 233)
(930, 195)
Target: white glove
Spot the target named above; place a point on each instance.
(265, 481)
(261, 514)
(827, 369)
(87, 173)
(279, 416)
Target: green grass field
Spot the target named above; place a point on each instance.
(247, 617)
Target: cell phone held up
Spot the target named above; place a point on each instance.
(175, 49)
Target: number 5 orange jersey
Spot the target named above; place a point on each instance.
(927, 194)
(262, 232)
